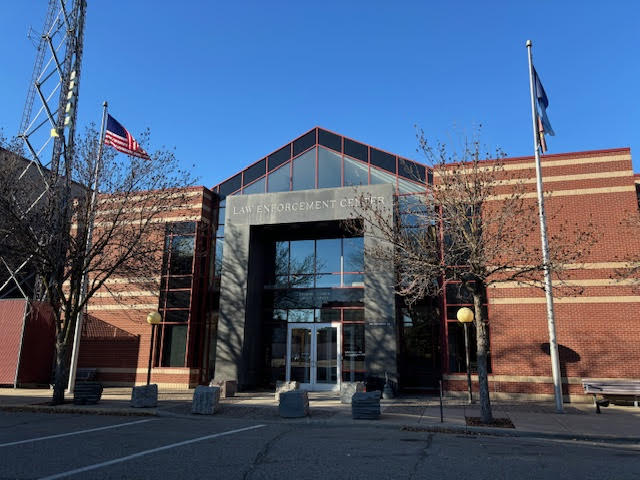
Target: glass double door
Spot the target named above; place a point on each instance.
(313, 355)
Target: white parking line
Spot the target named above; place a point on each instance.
(147, 452)
(38, 439)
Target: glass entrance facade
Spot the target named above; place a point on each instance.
(314, 312)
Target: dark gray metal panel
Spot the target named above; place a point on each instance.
(233, 287)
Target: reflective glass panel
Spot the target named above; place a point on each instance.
(355, 149)
(328, 255)
(411, 170)
(329, 169)
(328, 280)
(378, 176)
(353, 315)
(383, 160)
(181, 228)
(179, 282)
(353, 351)
(255, 171)
(280, 315)
(181, 255)
(330, 140)
(355, 172)
(301, 281)
(221, 212)
(327, 315)
(302, 256)
(178, 299)
(406, 186)
(304, 171)
(255, 187)
(326, 355)
(301, 316)
(279, 180)
(304, 142)
(300, 356)
(282, 258)
(231, 185)
(353, 251)
(353, 280)
(279, 157)
(175, 345)
(179, 316)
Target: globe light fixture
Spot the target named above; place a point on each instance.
(465, 315)
(154, 318)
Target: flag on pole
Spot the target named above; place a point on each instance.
(119, 138)
(544, 126)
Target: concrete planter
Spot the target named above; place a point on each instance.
(144, 396)
(206, 400)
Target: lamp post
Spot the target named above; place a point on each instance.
(152, 319)
(465, 317)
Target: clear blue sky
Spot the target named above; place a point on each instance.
(227, 82)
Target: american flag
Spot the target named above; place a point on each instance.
(119, 138)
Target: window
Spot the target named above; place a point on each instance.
(355, 172)
(330, 140)
(329, 169)
(175, 293)
(306, 141)
(279, 180)
(324, 263)
(304, 171)
(255, 171)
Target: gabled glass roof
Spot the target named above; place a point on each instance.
(323, 159)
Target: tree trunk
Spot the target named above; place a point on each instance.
(61, 372)
(482, 342)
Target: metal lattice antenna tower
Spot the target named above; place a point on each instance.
(55, 82)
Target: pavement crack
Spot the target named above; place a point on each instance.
(263, 453)
(422, 456)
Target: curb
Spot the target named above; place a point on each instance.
(451, 429)
(508, 432)
(125, 412)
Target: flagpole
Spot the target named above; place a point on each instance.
(553, 344)
(85, 276)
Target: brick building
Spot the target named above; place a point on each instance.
(261, 282)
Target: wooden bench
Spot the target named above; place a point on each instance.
(628, 388)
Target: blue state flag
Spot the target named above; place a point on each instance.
(543, 103)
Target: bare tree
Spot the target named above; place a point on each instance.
(53, 233)
(475, 225)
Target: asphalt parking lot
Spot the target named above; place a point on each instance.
(39, 445)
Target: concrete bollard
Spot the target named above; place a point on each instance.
(294, 404)
(365, 405)
(144, 396)
(206, 400)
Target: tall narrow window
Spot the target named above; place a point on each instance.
(175, 293)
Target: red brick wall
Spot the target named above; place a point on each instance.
(11, 320)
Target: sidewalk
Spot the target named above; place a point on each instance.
(419, 413)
